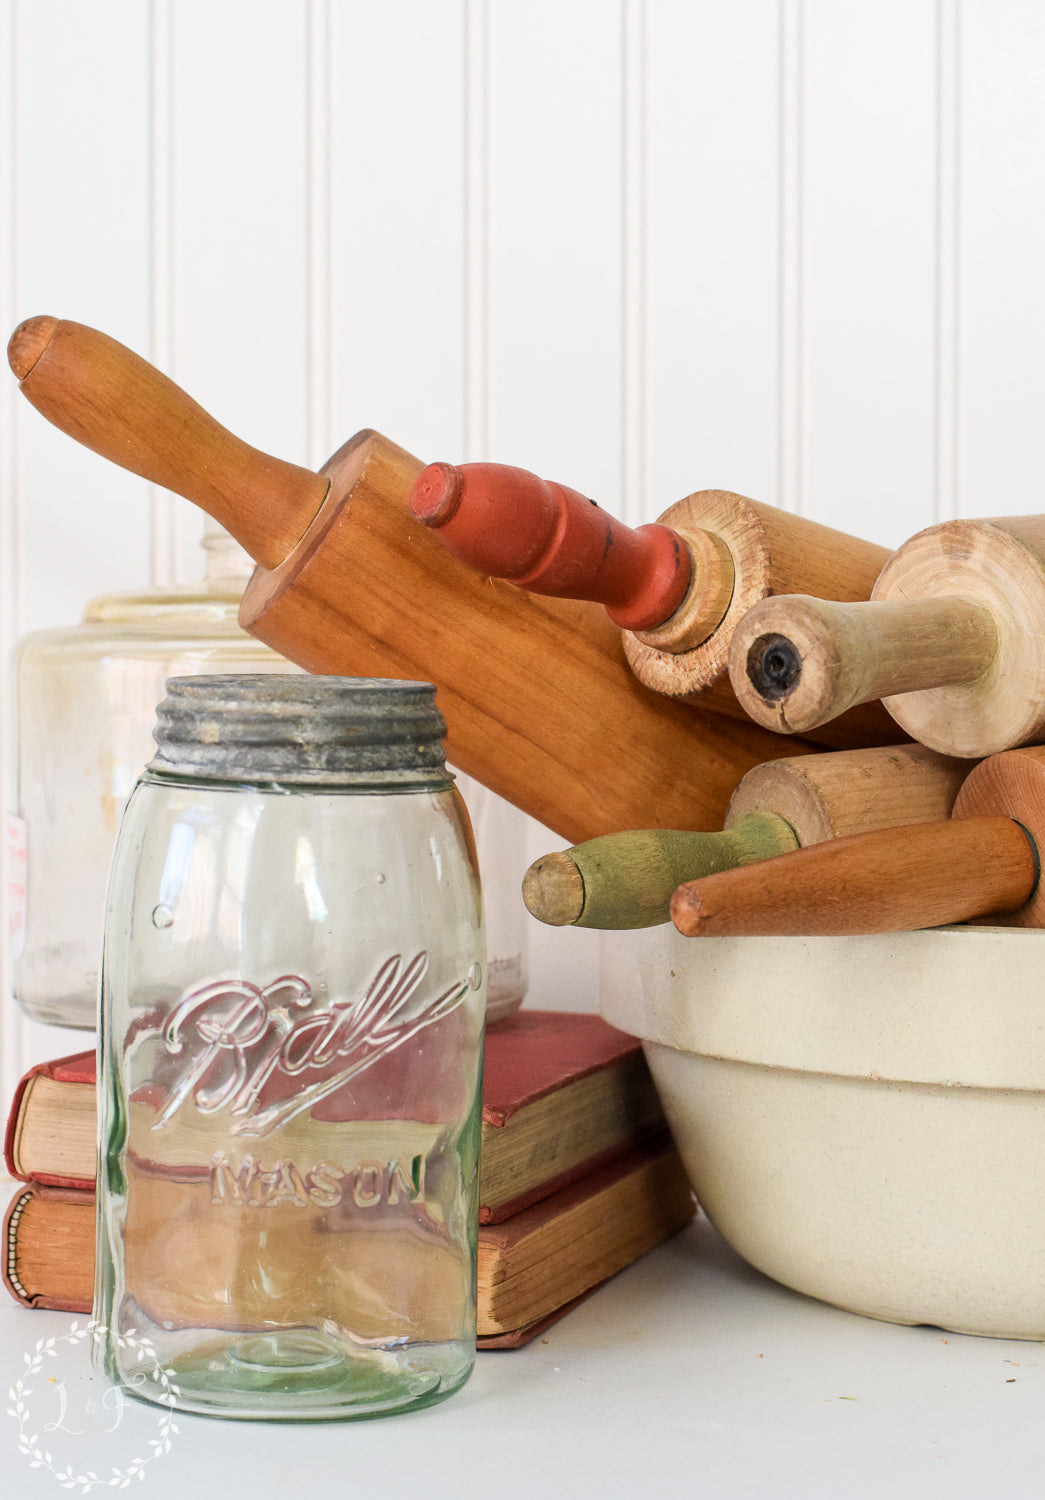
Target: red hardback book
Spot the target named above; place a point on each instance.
(50, 1135)
(563, 1093)
(48, 1247)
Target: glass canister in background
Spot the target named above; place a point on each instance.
(85, 705)
(292, 1012)
(500, 838)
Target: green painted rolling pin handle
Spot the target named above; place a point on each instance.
(626, 880)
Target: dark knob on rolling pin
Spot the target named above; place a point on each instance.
(984, 862)
(508, 523)
(951, 641)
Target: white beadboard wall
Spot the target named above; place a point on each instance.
(788, 247)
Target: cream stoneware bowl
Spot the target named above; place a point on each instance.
(862, 1118)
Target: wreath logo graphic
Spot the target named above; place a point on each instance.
(28, 1434)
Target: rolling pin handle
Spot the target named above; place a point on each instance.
(436, 496)
(28, 342)
(115, 403)
(508, 523)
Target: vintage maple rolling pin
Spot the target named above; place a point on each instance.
(538, 698)
(983, 862)
(952, 642)
(626, 880)
(677, 588)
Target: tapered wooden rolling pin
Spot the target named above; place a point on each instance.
(626, 880)
(984, 862)
(678, 588)
(538, 698)
(952, 642)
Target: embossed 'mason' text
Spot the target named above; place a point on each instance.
(367, 1185)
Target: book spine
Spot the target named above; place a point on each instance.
(9, 1270)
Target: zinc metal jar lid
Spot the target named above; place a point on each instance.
(301, 729)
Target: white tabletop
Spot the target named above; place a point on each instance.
(687, 1374)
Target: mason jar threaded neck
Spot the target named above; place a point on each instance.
(302, 730)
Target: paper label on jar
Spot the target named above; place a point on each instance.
(17, 861)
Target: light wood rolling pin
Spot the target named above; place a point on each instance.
(538, 698)
(953, 642)
(677, 588)
(984, 862)
(626, 880)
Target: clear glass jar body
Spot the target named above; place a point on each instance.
(292, 1013)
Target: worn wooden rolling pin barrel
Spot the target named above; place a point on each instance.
(626, 880)
(677, 588)
(538, 698)
(952, 641)
(984, 862)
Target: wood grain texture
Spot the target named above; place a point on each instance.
(951, 642)
(1013, 783)
(852, 791)
(773, 552)
(539, 702)
(999, 563)
(985, 861)
(626, 880)
(109, 399)
(890, 880)
(797, 663)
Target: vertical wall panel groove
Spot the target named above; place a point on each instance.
(11, 1027)
(555, 128)
(1002, 330)
(398, 223)
(791, 480)
(77, 235)
(865, 457)
(948, 265)
(478, 369)
(163, 513)
(712, 274)
(320, 366)
(634, 280)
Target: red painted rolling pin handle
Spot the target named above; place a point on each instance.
(508, 523)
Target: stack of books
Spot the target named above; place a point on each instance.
(578, 1176)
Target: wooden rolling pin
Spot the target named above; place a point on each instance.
(626, 880)
(677, 588)
(984, 862)
(538, 698)
(952, 642)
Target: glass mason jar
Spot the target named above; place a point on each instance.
(293, 997)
